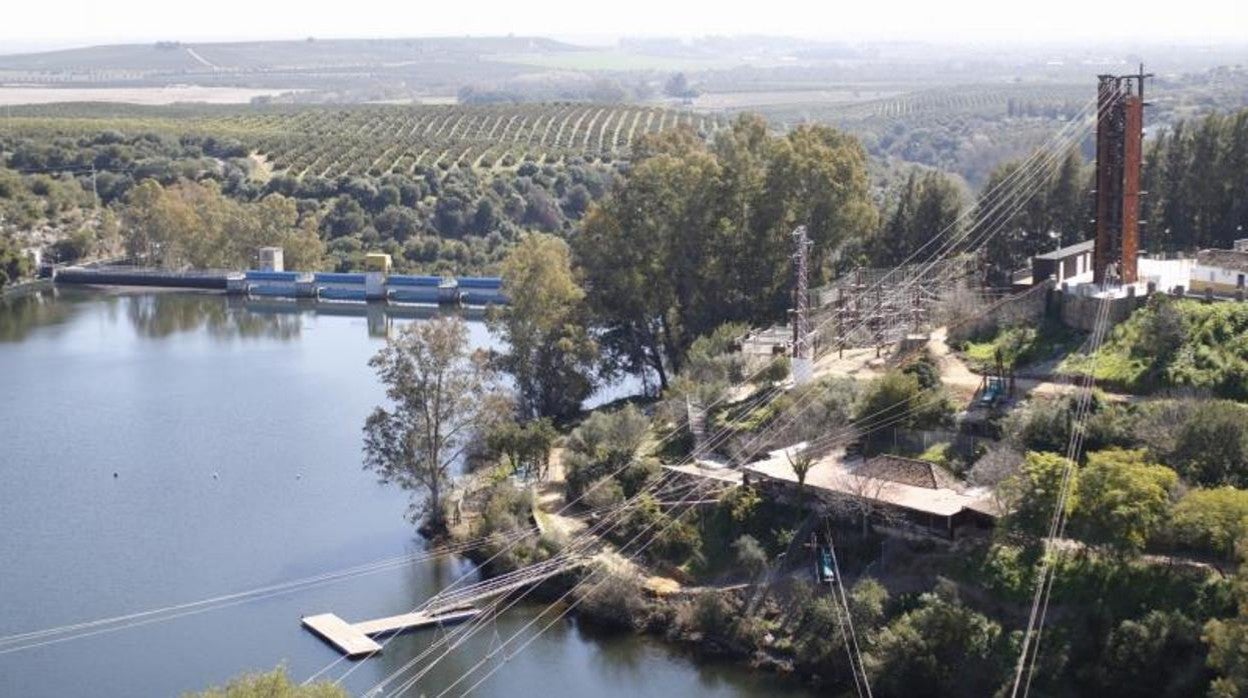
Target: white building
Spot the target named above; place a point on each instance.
(1221, 271)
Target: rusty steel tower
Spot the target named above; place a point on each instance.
(1119, 155)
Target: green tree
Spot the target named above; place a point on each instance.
(14, 264)
(1228, 645)
(526, 446)
(1158, 655)
(1211, 446)
(1023, 212)
(800, 463)
(713, 365)
(925, 207)
(1214, 520)
(941, 648)
(896, 400)
(273, 684)
(550, 352)
(1123, 499)
(443, 396)
(698, 235)
(1031, 495)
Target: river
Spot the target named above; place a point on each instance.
(163, 448)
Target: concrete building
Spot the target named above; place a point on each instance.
(1062, 264)
(271, 259)
(1221, 272)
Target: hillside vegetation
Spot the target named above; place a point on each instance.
(1175, 344)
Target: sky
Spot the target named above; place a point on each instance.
(29, 24)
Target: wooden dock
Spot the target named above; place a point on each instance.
(356, 639)
(412, 621)
(341, 634)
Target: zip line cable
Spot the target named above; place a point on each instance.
(1047, 572)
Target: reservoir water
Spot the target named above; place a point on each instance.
(234, 433)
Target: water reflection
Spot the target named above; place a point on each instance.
(161, 315)
(381, 316)
(20, 316)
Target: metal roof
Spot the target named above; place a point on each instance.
(1068, 251)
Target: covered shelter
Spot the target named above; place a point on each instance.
(918, 495)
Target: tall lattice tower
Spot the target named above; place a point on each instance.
(1119, 155)
(801, 294)
(803, 352)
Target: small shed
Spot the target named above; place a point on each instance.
(1062, 264)
(1222, 272)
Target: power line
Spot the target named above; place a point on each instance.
(748, 379)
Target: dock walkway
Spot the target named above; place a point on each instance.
(452, 606)
(356, 639)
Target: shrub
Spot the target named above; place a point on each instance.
(602, 446)
(1211, 520)
(603, 493)
(1042, 425)
(616, 601)
(750, 555)
(712, 615)
(900, 398)
(1176, 343)
(1211, 445)
(273, 684)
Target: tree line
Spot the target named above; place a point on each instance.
(1195, 184)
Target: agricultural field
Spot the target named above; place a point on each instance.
(386, 139)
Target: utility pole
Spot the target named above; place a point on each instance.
(95, 192)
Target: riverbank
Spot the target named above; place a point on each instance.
(616, 596)
(24, 288)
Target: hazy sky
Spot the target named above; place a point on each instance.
(25, 23)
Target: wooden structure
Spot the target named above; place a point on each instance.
(356, 639)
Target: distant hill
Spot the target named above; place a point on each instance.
(428, 65)
(269, 55)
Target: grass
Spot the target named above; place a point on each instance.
(1021, 345)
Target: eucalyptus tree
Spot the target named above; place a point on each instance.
(443, 396)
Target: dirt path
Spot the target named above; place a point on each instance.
(959, 377)
(203, 61)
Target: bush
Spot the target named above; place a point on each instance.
(776, 370)
(603, 445)
(1211, 445)
(1176, 343)
(1211, 520)
(750, 555)
(900, 398)
(616, 601)
(713, 616)
(273, 684)
(605, 492)
(1042, 425)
